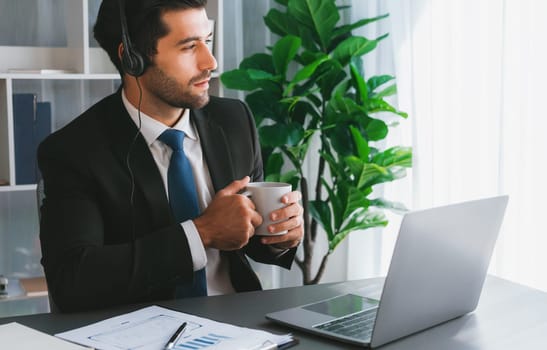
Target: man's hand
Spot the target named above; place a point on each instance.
(294, 223)
(230, 219)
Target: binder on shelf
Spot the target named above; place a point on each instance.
(24, 111)
(32, 123)
(42, 128)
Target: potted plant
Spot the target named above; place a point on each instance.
(309, 95)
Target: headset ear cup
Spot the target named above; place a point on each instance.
(132, 62)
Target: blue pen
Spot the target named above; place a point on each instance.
(173, 340)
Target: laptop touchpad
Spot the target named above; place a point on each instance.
(343, 305)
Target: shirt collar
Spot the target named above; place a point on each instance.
(151, 129)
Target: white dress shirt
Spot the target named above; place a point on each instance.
(218, 279)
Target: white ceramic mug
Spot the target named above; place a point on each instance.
(266, 197)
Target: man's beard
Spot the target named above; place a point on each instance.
(168, 90)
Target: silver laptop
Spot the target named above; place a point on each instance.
(436, 274)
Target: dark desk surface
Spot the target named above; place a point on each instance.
(509, 316)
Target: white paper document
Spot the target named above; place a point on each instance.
(16, 336)
(150, 329)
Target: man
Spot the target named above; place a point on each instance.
(108, 232)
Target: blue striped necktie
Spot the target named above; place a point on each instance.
(183, 201)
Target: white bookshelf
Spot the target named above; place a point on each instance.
(54, 35)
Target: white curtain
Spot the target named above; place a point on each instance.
(471, 73)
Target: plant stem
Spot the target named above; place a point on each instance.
(318, 188)
(321, 270)
(320, 170)
(305, 265)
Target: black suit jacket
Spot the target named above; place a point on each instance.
(100, 247)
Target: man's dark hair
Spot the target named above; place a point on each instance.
(144, 24)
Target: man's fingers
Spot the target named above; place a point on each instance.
(256, 219)
(286, 212)
(285, 225)
(234, 187)
(291, 197)
(282, 242)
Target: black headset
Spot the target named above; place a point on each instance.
(132, 61)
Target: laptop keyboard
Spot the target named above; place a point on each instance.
(358, 325)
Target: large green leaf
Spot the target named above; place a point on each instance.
(336, 201)
(389, 91)
(274, 164)
(369, 174)
(376, 129)
(345, 106)
(306, 57)
(354, 46)
(376, 105)
(345, 29)
(391, 174)
(300, 151)
(355, 166)
(308, 36)
(257, 74)
(361, 143)
(378, 80)
(271, 136)
(394, 156)
(336, 170)
(281, 134)
(264, 106)
(305, 113)
(308, 70)
(320, 16)
(362, 222)
(340, 139)
(239, 79)
(284, 52)
(341, 89)
(355, 200)
(277, 22)
(382, 203)
(259, 61)
(359, 84)
(329, 74)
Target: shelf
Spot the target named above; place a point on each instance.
(65, 76)
(12, 188)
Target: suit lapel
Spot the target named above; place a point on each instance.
(143, 168)
(215, 148)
